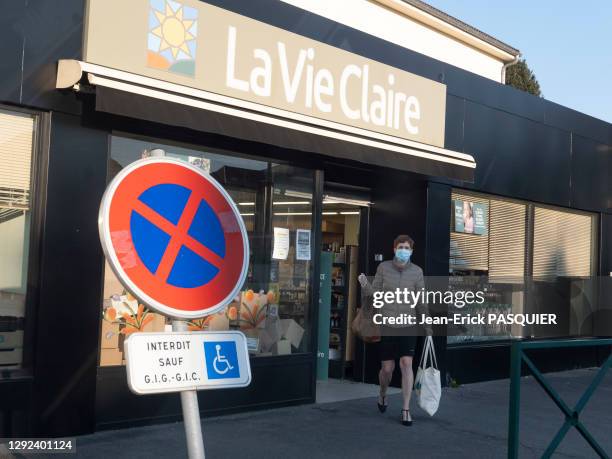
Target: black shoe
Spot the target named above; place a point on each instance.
(406, 418)
(382, 407)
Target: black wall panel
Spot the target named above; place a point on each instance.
(68, 316)
(467, 364)
(591, 175)
(34, 35)
(11, 50)
(605, 245)
(400, 208)
(580, 123)
(518, 157)
(54, 31)
(454, 123)
(438, 229)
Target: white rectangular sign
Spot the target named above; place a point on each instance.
(302, 244)
(178, 361)
(281, 243)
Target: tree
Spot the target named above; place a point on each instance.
(521, 77)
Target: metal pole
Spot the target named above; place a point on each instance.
(191, 412)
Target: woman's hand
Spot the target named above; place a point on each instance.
(363, 280)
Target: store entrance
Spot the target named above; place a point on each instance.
(343, 234)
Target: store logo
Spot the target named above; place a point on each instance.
(173, 31)
(354, 92)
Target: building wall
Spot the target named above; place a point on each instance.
(67, 318)
(525, 147)
(377, 20)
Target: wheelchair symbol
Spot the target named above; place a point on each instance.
(221, 359)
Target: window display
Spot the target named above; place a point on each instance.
(272, 307)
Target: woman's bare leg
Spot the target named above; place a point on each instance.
(384, 376)
(407, 379)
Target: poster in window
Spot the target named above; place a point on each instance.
(281, 243)
(470, 217)
(302, 251)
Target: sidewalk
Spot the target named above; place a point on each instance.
(471, 422)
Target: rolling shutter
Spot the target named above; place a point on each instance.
(563, 244)
(500, 252)
(507, 241)
(16, 141)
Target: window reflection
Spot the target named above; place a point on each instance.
(16, 143)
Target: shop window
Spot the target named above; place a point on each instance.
(487, 253)
(16, 146)
(528, 258)
(275, 202)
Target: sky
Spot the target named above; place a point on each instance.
(567, 44)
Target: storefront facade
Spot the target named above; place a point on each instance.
(110, 92)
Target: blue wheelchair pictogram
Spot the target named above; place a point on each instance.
(221, 359)
(192, 224)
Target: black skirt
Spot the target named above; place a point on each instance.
(394, 347)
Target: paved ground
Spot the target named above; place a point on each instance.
(336, 390)
(471, 423)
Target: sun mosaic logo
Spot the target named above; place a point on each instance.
(173, 30)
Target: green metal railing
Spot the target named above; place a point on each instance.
(572, 416)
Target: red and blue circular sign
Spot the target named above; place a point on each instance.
(174, 237)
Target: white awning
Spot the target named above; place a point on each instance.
(140, 97)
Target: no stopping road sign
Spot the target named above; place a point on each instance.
(174, 237)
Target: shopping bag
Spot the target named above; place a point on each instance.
(427, 383)
(364, 327)
(363, 324)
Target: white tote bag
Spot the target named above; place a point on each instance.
(427, 384)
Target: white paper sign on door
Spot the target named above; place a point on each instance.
(281, 244)
(302, 245)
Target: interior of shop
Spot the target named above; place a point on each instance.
(342, 213)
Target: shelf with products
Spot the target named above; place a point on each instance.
(343, 302)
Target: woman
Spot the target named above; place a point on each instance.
(468, 217)
(398, 342)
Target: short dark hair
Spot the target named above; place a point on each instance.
(403, 238)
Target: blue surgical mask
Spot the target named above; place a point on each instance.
(403, 255)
